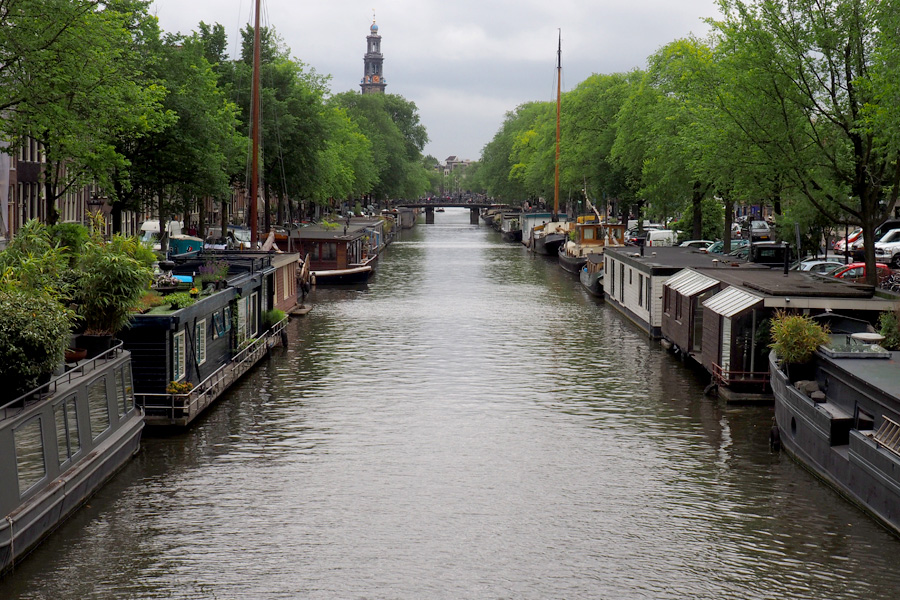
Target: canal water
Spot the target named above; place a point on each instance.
(470, 425)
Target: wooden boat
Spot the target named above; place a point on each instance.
(591, 275)
(337, 256)
(62, 442)
(590, 238)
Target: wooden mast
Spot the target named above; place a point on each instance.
(555, 215)
(254, 132)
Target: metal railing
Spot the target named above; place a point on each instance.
(729, 377)
(187, 405)
(46, 390)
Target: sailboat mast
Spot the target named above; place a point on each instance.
(254, 131)
(555, 216)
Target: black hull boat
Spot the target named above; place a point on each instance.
(46, 478)
(591, 275)
(512, 236)
(572, 264)
(549, 244)
(844, 428)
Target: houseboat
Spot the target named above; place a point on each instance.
(337, 255)
(633, 279)
(591, 275)
(511, 227)
(844, 425)
(590, 237)
(184, 358)
(60, 443)
(718, 317)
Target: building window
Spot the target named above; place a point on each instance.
(67, 441)
(200, 341)
(285, 283)
(178, 359)
(29, 442)
(98, 407)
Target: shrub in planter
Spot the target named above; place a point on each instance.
(112, 278)
(270, 317)
(795, 338)
(889, 327)
(34, 335)
(179, 300)
(179, 387)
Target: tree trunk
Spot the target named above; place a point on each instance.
(697, 202)
(201, 226)
(51, 214)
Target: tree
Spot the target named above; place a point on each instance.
(70, 79)
(813, 86)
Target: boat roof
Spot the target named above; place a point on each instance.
(318, 232)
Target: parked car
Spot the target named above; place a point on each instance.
(700, 244)
(819, 265)
(887, 249)
(660, 237)
(741, 253)
(856, 272)
(756, 231)
(718, 246)
(633, 237)
(849, 238)
(770, 254)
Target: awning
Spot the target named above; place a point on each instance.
(688, 282)
(732, 301)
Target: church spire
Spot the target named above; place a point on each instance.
(373, 78)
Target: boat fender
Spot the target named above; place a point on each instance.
(774, 437)
(284, 338)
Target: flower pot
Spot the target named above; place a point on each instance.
(95, 344)
(76, 354)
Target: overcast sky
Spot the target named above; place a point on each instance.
(464, 63)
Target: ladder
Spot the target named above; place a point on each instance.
(888, 435)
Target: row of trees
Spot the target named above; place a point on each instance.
(160, 120)
(793, 104)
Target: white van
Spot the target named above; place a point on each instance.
(661, 237)
(150, 232)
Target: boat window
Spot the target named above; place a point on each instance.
(647, 292)
(241, 320)
(98, 407)
(200, 341)
(588, 233)
(640, 290)
(124, 390)
(226, 318)
(29, 454)
(178, 356)
(67, 441)
(252, 316)
(328, 251)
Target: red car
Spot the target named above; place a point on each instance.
(856, 272)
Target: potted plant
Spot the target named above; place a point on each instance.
(112, 277)
(795, 339)
(34, 321)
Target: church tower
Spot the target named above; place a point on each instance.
(373, 79)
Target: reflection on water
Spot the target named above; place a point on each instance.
(471, 424)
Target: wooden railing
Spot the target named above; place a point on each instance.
(728, 377)
(180, 409)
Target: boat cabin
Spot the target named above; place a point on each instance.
(337, 248)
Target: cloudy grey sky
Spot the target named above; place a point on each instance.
(464, 63)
